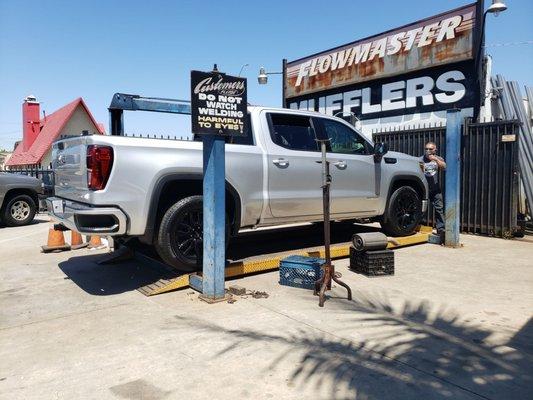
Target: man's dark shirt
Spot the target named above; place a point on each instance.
(431, 170)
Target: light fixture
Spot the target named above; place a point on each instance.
(262, 78)
(496, 7)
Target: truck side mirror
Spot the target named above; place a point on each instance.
(380, 149)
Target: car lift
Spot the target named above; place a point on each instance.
(132, 102)
(171, 279)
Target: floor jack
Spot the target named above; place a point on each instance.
(328, 269)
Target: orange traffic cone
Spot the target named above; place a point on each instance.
(76, 241)
(56, 241)
(95, 243)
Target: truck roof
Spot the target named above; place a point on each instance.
(252, 108)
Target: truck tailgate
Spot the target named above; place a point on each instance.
(69, 164)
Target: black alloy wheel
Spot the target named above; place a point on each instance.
(179, 240)
(404, 212)
(187, 234)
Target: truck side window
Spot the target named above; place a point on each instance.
(343, 139)
(293, 132)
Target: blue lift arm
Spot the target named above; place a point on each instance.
(134, 102)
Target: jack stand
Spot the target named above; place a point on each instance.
(324, 283)
(328, 270)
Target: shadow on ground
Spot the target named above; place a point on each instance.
(263, 242)
(105, 280)
(416, 351)
(130, 275)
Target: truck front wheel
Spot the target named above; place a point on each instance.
(179, 240)
(403, 213)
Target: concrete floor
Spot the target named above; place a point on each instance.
(451, 324)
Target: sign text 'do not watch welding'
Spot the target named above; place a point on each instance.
(218, 104)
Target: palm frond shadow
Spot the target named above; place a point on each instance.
(413, 351)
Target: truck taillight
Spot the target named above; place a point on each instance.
(99, 164)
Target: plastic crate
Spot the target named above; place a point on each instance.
(372, 263)
(300, 271)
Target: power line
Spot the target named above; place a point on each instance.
(509, 44)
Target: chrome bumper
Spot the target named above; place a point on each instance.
(77, 216)
(424, 206)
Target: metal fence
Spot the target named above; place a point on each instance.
(46, 175)
(489, 172)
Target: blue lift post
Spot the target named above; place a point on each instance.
(211, 283)
(214, 243)
(453, 178)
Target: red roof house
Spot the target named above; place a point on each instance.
(38, 134)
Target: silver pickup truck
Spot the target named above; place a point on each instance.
(151, 189)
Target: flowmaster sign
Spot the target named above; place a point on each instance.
(420, 68)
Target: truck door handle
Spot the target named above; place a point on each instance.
(341, 164)
(281, 162)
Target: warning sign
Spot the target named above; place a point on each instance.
(218, 104)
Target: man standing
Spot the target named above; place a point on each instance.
(432, 164)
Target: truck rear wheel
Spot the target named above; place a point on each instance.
(179, 240)
(404, 212)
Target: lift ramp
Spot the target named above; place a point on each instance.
(171, 280)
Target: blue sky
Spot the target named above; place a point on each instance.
(60, 50)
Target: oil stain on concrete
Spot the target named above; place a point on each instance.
(139, 390)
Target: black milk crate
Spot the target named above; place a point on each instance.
(372, 263)
(300, 271)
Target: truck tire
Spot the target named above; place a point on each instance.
(19, 210)
(179, 238)
(404, 212)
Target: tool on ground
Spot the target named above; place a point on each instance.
(56, 241)
(370, 241)
(328, 269)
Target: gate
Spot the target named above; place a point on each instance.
(489, 171)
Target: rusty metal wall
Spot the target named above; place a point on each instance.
(489, 172)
